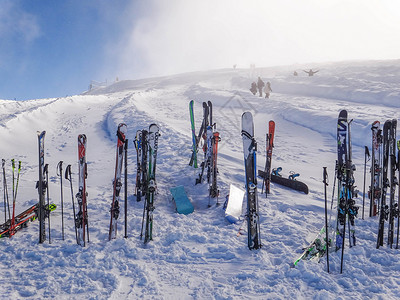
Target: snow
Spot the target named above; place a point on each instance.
(200, 256)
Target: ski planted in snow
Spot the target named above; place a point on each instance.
(213, 188)
(269, 146)
(81, 197)
(376, 161)
(203, 133)
(195, 140)
(250, 150)
(117, 183)
(41, 186)
(138, 142)
(393, 206)
(384, 208)
(152, 141)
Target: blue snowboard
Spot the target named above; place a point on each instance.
(182, 202)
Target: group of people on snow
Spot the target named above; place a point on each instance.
(260, 85)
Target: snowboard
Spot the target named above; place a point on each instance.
(250, 152)
(290, 183)
(182, 202)
(233, 209)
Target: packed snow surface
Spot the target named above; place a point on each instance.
(200, 255)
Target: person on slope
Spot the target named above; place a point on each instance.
(253, 88)
(311, 72)
(267, 89)
(260, 85)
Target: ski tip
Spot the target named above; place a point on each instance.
(41, 133)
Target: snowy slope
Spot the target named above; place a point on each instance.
(199, 256)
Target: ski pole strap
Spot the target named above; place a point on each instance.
(120, 136)
(68, 172)
(13, 164)
(19, 166)
(59, 168)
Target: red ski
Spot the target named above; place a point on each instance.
(269, 146)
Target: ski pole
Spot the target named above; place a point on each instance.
(69, 178)
(126, 187)
(326, 218)
(5, 194)
(398, 201)
(59, 168)
(13, 198)
(365, 174)
(16, 186)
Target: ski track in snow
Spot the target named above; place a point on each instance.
(199, 256)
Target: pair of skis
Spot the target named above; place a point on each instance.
(22, 220)
(121, 154)
(210, 148)
(347, 210)
(146, 144)
(389, 183)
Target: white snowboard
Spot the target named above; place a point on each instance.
(234, 207)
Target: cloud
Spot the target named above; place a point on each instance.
(17, 23)
(187, 35)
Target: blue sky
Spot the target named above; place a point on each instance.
(54, 48)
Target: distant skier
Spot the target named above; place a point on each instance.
(295, 73)
(253, 88)
(267, 89)
(260, 85)
(311, 72)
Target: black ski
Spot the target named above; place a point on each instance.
(250, 150)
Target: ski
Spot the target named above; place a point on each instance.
(81, 197)
(203, 133)
(315, 249)
(250, 150)
(139, 154)
(383, 208)
(41, 186)
(393, 182)
(214, 192)
(398, 194)
(376, 160)
(269, 146)
(195, 140)
(117, 183)
(22, 220)
(151, 186)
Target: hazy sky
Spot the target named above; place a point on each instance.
(55, 48)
